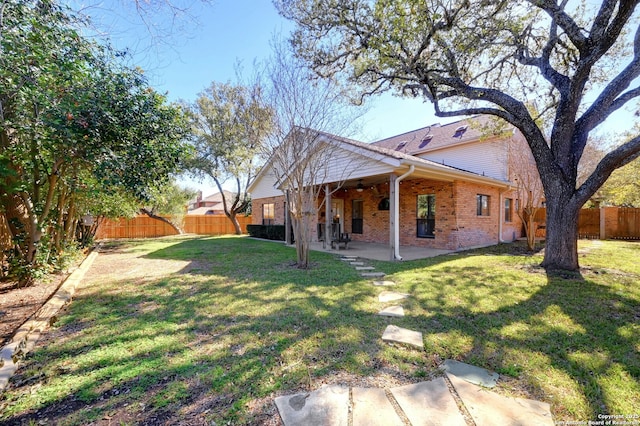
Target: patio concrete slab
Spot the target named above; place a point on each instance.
(487, 407)
(372, 274)
(395, 334)
(429, 403)
(371, 407)
(365, 268)
(392, 311)
(384, 283)
(391, 296)
(472, 374)
(377, 251)
(328, 405)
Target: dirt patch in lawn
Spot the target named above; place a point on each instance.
(17, 305)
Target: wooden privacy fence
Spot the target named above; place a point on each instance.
(617, 223)
(621, 223)
(146, 227)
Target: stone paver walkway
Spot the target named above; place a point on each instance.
(430, 403)
(395, 334)
(427, 403)
(392, 311)
(472, 374)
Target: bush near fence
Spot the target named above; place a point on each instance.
(270, 232)
(146, 227)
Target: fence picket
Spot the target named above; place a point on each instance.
(146, 227)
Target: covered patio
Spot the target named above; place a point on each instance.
(378, 251)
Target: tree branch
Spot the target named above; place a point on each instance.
(617, 158)
(610, 99)
(558, 15)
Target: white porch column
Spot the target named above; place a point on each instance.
(327, 215)
(393, 216)
(287, 220)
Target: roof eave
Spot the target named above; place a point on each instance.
(451, 175)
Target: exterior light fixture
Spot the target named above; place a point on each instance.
(360, 187)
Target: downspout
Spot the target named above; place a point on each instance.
(396, 213)
(500, 217)
(501, 213)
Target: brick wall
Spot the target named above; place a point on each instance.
(452, 231)
(256, 209)
(457, 223)
(471, 230)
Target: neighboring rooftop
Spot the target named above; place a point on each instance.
(211, 204)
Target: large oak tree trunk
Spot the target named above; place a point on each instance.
(561, 248)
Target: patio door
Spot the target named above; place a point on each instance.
(357, 216)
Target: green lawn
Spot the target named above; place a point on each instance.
(219, 339)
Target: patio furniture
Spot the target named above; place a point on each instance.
(341, 238)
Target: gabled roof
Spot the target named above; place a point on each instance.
(439, 136)
(385, 151)
(217, 197)
(404, 159)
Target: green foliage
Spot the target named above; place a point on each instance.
(230, 124)
(170, 199)
(77, 127)
(623, 186)
(270, 232)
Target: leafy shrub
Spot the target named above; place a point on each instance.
(269, 232)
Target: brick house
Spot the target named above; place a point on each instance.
(447, 186)
(210, 205)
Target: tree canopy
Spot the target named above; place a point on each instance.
(556, 71)
(623, 186)
(230, 124)
(74, 121)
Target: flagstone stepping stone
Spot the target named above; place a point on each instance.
(429, 403)
(471, 373)
(372, 274)
(365, 268)
(392, 311)
(488, 407)
(395, 334)
(328, 405)
(349, 258)
(390, 296)
(384, 283)
(356, 263)
(371, 407)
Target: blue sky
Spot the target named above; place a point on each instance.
(191, 52)
(228, 32)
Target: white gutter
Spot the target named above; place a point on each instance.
(396, 213)
(500, 218)
(501, 213)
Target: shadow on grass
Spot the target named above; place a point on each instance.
(238, 326)
(572, 340)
